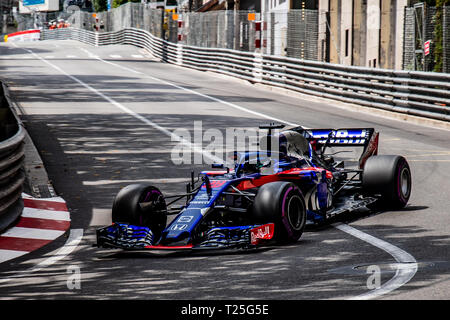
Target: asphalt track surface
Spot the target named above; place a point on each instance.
(101, 118)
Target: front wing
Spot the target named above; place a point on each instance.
(130, 237)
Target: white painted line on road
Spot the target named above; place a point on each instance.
(71, 244)
(70, 56)
(33, 233)
(138, 56)
(235, 106)
(6, 255)
(115, 56)
(194, 147)
(406, 269)
(402, 275)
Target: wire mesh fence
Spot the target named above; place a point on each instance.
(39, 20)
(446, 40)
(420, 27)
(293, 33)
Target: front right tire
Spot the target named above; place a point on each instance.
(141, 205)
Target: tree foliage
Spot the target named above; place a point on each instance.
(118, 3)
(100, 5)
(438, 35)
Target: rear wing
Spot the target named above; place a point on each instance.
(367, 138)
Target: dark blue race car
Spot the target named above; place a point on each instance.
(266, 197)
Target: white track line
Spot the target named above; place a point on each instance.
(33, 233)
(71, 244)
(6, 255)
(406, 269)
(402, 275)
(193, 147)
(404, 272)
(235, 106)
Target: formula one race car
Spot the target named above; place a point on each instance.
(267, 197)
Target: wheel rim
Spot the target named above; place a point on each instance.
(294, 212)
(404, 182)
(158, 203)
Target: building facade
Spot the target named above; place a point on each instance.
(365, 33)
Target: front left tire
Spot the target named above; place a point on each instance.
(283, 204)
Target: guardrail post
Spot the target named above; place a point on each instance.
(179, 54)
(404, 89)
(257, 67)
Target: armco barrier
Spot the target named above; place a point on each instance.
(12, 156)
(423, 94)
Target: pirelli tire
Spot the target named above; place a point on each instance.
(141, 205)
(390, 177)
(283, 204)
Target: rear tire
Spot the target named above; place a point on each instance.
(283, 204)
(127, 207)
(389, 176)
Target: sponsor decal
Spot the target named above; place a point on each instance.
(264, 232)
(33, 2)
(185, 219)
(215, 184)
(179, 227)
(341, 136)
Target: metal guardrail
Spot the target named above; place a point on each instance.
(423, 94)
(12, 155)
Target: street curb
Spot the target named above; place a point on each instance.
(41, 222)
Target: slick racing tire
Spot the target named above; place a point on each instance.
(389, 176)
(283, 204)
(141, 205)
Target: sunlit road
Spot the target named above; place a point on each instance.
(101, 118)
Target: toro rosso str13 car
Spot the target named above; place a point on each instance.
(267, 196)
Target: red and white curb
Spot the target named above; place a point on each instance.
(42, 221)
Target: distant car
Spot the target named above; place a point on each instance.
(266, 197)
